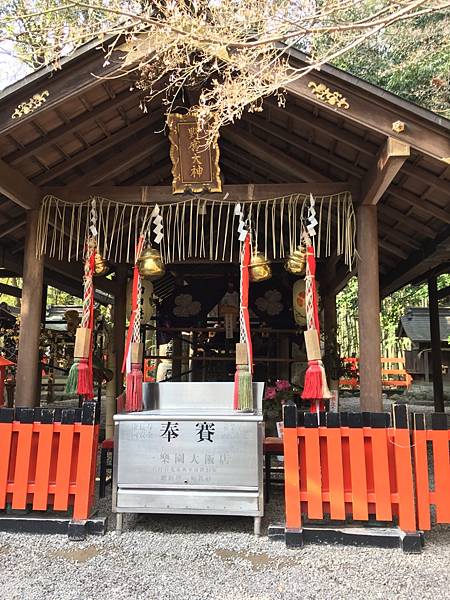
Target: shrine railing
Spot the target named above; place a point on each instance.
(358, 466)
(390, 377)
(48, 459)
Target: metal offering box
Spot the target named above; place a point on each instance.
(190, 453)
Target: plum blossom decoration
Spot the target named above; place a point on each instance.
(186, 306)
(270, 302)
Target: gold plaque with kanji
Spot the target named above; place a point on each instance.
(195, 164)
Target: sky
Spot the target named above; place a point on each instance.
(11, 69)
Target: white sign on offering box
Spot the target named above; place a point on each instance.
(182, 453)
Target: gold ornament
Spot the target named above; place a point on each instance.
(150, 265)
(296, 262)
(259, 268)
(398, 126)
(100, 265)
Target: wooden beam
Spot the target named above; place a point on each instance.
(314, 121)
(373, 111)
(443, 292)
(392, 249)
(388, 163)
(77, 76)
(390, 232)
(74, 271)
(298, 142)
(17, 188)
(418, 203)
(419, 263)
(59, 280)
(88, 154)
(250, 162)
(10, 290)
(151, 175)
(12, 225)
(242, 171)
(163, 194)
(414, 224)
(123, 160)
(343, 136)
(71, 126)
(340, 279)
(271, 155)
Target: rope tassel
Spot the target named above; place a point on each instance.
(315, 387)
(132, 362)
(81, 380)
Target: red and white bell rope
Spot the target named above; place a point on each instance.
(315, 387)
(132, 361)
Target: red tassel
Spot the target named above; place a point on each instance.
(84, 387)
(133, 396)
(313, 387)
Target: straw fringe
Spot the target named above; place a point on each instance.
(190, 232)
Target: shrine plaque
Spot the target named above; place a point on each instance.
(195, 165)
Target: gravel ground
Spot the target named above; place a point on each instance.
(198, 558)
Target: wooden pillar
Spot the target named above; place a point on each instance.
(39, 369)
(436, 352)
(177, 349)
(120, 307)
(27, 382)
(331, 356)
(369, 310)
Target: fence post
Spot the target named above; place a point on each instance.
(87, 455)
(291, 476)
(421, 472)
(440, 437)
(6, 430)
(403, 469)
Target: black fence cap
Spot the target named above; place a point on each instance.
(355, 420)
(44, 415)
(380, 420)
(400, 413)
(418, 420)
(332, 420)
(366, 419)
(6, 415)
(68, 416)
(90, 413)
(439, 421)
(311, 420)
(24, 414)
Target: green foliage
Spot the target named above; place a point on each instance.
(410, 59)
(392, 308)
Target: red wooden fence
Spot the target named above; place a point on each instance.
(390, 378)
(355, 465)
(48, 458)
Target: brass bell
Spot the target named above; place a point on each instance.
(150, 265)
(100, 265)
(296, 262)
(259, 268)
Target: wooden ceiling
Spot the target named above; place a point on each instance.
(92, 132)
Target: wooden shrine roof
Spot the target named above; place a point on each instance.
(92, 132)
